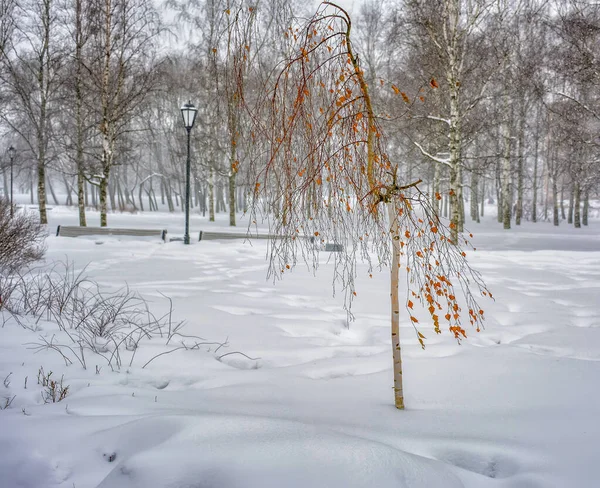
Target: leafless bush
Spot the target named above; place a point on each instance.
(108, 324)
(105, 323)
(7, 402)
(53, 390)
(21, 238)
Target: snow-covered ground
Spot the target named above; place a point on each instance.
(515, 405)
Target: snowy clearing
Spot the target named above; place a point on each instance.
(515, 405)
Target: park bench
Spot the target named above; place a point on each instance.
(210, 235)
(76, 231)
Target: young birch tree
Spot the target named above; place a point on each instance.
(449, 26)
(31, 77)
(325, 138)
(121, 72)
(240, 24)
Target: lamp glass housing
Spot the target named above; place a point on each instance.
(189, 112)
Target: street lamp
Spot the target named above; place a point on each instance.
(188, 111)
(11, 156)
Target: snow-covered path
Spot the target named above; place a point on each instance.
(515, 405)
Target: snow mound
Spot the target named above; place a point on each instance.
(243, 452)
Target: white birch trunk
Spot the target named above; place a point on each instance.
(395, 305)
(506, 167)
(577, 206)
(211, 194)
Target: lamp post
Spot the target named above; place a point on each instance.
(188, 111)
(11, 156)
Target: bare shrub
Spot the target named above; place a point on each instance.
(6, 403)
(21, 238)
(53, 390)
(108, 324)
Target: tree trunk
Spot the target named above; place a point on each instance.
(395, 305)
(555, 201)
(104, 196)
(535, 184)
(506, 200)
(112, 192)
(152, 197)
(42, 187)
(445, 205)
(79, 156)
(211, 194)
(436, 187)
(231, 199)
(31, 187)
(454, 169)
(548, 174)
(120, 197)
(42, 123)
(461, 202)
(93, 191)
(520, 164)
(499, 192)
(571, 202)
(105, 129)
(577, 205)
(535, 171)
(239, 198)
(481, 213)
(453, 71)
(81, 197)
(69, 199)
(54, 197)
(233, 162)
(474, 196)
(169, 196)
(203, 199)
(586, 207)
(141, 196)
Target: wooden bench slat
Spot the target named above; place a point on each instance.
(210, 236)
(76, 231)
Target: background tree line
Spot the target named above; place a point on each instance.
(486, 101)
